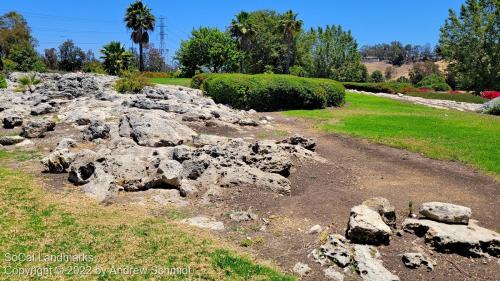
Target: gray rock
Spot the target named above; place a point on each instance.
(491, 107)
(336, 250)
(306, 143)
(170, 172)
(301, 269)
(194, 168)
(65, 143)
(369, 265)
(83, 167)
(58, 161)
(10, 122)
(384, 208)
(248, 122)
(240, 216)
(467, 240)
(37, 128)
(315, 229)
(445, 212)
(414, 260)
(205, 222)
(367, 227)
(43, 108)
(10, 140)
(96, 130)
(331, 273)
(153, 131)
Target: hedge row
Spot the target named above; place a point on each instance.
(270, 92)
(382, 87)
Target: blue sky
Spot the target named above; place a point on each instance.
(92, 23)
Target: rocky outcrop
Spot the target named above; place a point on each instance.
(10, 122)
(445, 212)
(37, 128)
(384, 208)
(336, 250)
(369, 265)
(468, 240)
(367, 227)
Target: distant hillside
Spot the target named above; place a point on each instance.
(403, 70)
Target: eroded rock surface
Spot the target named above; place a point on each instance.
(367, 227)
(370, 266)
(445, 212)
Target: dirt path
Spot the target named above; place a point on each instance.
(357, 170)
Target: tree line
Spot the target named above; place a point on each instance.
(398, 54)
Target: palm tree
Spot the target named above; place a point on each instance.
(115, 58)
(290, 26)
(242, 30)
(28, 83)
(140, 20)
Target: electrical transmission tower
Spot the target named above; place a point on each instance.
(163, 49)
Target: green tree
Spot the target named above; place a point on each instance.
(241, 29)
(116, 59)
(331, 53)
(14, 31)
(50, 58)
(290, 27)
(208, 48)
(377, 76)
(140, 20)
(26, 58)
(154, 59)
(71, 57)
(420, 70)
(470, 43)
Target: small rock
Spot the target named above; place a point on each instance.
(306, 143)
(248, 122)
(370, 266)
(43, 108)
(96, 130)
(367, 227)
(331, 273)
(445, 212)
(205, 222)
(414, 260)
(336, 250)
(11, 122)
(315, 229)
(240, 216)
(301, 269)
(10, 140)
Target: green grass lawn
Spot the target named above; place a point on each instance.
(35, 221)
(446, 96)
(441, 134)
(186, 82)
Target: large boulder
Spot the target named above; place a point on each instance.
(58, 161)
(153, 131)
(96, 130)
(382, 206)
(43, 108)
(336, 250)
(468, 240)
(37, 128)
(367, 227)
(445, 212)
(370, 266)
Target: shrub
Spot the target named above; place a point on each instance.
(384, 87)
(28, 83)
(423, 69)
(490, 94)
(3, 82)
(197, 80)
(403, 79)
(131, 82)
(298, 71)
(492, 107)
(377, 76)
(267, 92)
(434, 81)
(93, 67)
(390, 72)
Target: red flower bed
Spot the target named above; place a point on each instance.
(424, 90)
(490, 94)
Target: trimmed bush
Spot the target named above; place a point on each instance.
(435, 82)
(377, 76)
(131, 82)
(383, 87)
(269, 92)
(3, 82)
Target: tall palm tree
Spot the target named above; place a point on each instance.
(241, 29)
(290, 27)
(140, 20)
(115, 58)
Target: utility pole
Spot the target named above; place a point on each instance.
(163, 49)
